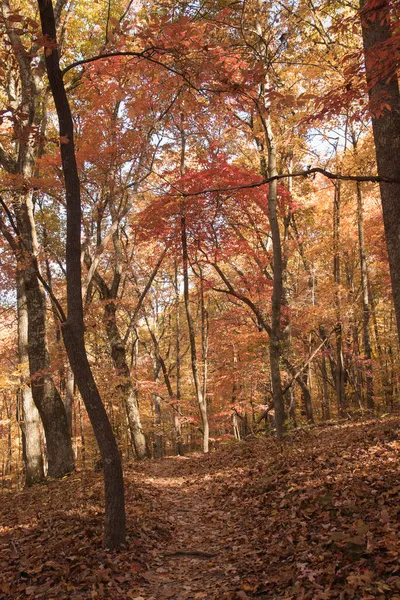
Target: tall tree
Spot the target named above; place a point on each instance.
(377, 20)
(73, 326)
(28, 99)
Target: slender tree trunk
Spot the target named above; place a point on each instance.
(201, 400)
(82, 433)
(268, 168)
(366, 314)
(30, 422)
(306, 397)
(382, 363)
(365, 301)
(159, 363)
(384, 97)
(157, 413)
(192, 338)
(340, 370)
(235, 425)
(204, 335)
(290, 396)
(73, 327)
(274, 343)
(177, 419)
(267, 149)
(326, 413)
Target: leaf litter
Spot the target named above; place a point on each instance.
(315, 517)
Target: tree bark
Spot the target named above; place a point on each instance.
(73, 327)
(69, 396)
(366, 308)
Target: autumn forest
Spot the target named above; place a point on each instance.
(200, 272)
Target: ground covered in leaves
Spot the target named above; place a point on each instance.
(316, 517)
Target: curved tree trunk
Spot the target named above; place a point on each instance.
(114, 526)
(73, 327)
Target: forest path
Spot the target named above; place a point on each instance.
(200, 560)
(314, 518)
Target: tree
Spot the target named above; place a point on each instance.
(29, 105)
(73, 326)
(377, 17)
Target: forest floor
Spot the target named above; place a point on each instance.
(316, 517)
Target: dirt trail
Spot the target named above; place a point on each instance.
(198, 561)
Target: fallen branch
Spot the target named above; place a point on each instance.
(195, 553)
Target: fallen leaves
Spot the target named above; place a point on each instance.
(315, 518)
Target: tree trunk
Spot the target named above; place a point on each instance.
(366, 314)
(114, 527)
(384, 97)
(73, 327)
(158, 445)
(177, 418)
(45, 394)
(365, 301)
(30, 422)
(326, 413)
(201, 399)
(340, 370)
(274, 342)
(204, 334)
(268, 168)
(192, 338)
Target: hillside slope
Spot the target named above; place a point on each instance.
(315, 517)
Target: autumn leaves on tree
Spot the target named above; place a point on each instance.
(190, 204)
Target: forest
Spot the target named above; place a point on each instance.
(200, 299)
